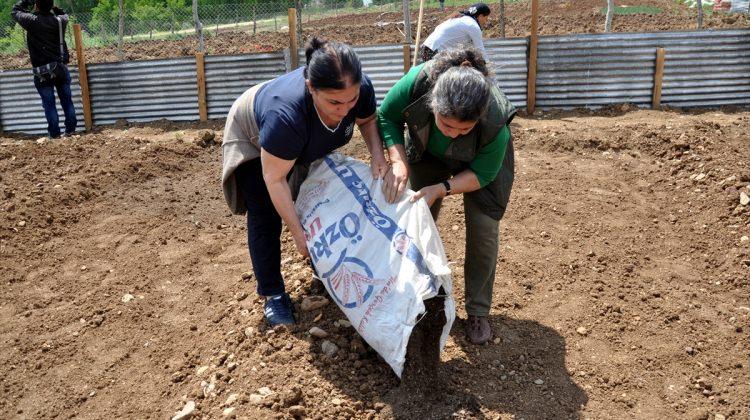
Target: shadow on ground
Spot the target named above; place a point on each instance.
(523, 375)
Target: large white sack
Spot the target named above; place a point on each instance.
(378, 261)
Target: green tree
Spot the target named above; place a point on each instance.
(104, 15)
(178, 12)
(148, 12)
(6, 22)
(14, 40)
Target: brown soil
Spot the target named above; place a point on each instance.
(556, 18)
(425, 390)
(622, 288)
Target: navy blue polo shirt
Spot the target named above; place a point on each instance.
(289, 124)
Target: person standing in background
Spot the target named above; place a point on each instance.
(461, 29)
(48, 51)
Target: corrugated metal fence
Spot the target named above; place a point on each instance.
(703, 68)
(228, 76)
(706, 68)
(510, 65)
(20, 105)
(144, 90)
(384, 64)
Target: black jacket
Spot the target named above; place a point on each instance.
(43, 38)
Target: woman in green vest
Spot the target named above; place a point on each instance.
(458, 142)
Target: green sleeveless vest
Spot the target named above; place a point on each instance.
(462, 150)
(418, 117)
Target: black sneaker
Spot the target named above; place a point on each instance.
(278, 310)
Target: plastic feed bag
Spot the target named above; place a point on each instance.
(378, 261)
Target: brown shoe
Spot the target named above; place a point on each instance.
(478, 329)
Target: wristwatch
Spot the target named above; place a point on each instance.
(447, 186)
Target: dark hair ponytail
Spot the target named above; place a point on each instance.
(473, 11)
(331, 65)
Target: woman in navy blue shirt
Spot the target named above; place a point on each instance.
(273, 131)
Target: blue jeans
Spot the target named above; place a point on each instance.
(47, 92)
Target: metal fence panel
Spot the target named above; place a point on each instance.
(21, 107)
(141, 91)
(707, 68)
(704, 68)
(384, 64)
(227, 77)
(509, 64)
(708, 74)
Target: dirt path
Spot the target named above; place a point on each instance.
(622, 287)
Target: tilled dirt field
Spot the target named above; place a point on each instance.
(556, 18)
(622, 288)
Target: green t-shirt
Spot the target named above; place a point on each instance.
(485, 165)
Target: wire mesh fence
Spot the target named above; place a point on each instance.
(179, 22)
(176, 20)
(156, 23)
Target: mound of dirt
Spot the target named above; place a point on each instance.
(621, 290)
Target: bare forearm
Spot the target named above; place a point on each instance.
(370, 133)
(397, 153)
(397, 176)
(275, 171)
(464, 182)
(281, 196)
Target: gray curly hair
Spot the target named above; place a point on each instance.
(461, 93)
(461, 84)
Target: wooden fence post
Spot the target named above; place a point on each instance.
(293, 49)
(200, 66)
(120, 30)
(502, 19)
(407, 22)
(83, 78)
(610, 14)
(298, 15)
(658, 76)
(533, 41)
(419, 32)
(407, 58)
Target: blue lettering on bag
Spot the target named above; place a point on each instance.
(347, 227)
(380, 221)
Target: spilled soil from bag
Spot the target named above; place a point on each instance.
(556, 18)
(425, 390)
(622, 287)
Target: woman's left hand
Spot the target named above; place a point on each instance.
(430, 193)
(379, 166)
